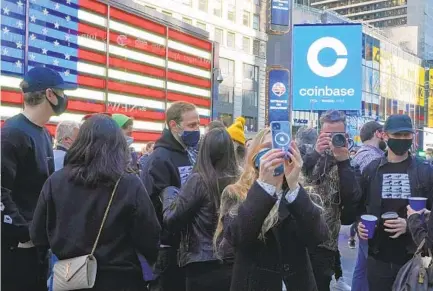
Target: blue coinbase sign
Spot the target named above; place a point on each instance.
(327, 67)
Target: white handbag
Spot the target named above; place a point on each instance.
(79, 272)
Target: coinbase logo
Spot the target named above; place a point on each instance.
(313, 57)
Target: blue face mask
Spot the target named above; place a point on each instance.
(129, 140)
(190, 138)
(278, 171)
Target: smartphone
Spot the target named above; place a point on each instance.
(281, 135)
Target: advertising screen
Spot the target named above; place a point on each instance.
(327, 60)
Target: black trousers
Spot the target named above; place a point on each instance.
(381, 275)
(169, 276)
(323, 263)
(23, 269)
(209, 276)
(338, 270)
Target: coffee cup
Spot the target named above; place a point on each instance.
(417, 203)
(369, 221)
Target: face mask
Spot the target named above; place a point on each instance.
(129, 140)
(382, 145)
(278, 171)
(190, 138)
(62, 104)
(399, 146)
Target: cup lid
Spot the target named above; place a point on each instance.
(418, 198)
(389, 215)
(369, 217)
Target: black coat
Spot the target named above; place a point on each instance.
(261, 265)
(167, 166)
(193, 213)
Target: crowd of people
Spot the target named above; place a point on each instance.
(199, 212)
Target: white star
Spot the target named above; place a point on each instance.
(20, 4)
(19, 45)
(67, 73)
(44, 31)
(68, 1)
(33, 36)
(56, 43)
(32, 56)
(18, 64)
(56, 25)
(57, 6)
(45, 12)
(33, 18)
(5, 30)
(6, 11)
(20, 24)
(68, 18)
(55, 62)
(5, 52)
(67, 37)
(44, 51)
(67, 57)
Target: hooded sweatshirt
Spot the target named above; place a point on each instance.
(168, 165)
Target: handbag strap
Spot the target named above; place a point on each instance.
(105, 217)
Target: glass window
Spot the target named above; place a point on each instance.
(231, 13)
(246, 18)
(187, 20)
(201, 25)
(203, 5)
(167, 13)
(219, 35)
(251, 123)
(217, 8)
(256, 47)
(225, 94)
(256, 22)
(230, 40)
(246, 46)
(227, 67)
(151, 7)
(249, 98)
(251, 72)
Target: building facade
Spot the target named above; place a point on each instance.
(239, 28)
(393, 79)
(387, 13)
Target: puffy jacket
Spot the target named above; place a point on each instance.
(192, 212)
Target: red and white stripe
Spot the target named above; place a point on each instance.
(144, 70)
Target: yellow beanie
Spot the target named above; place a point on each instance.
(236, 130)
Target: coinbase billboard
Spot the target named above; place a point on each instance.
(327, 67)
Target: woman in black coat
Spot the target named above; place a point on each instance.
(269, 221)
(194, 213)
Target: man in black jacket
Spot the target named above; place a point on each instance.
(27, 161)
(170, 164)
(386, 184)
(330, 175)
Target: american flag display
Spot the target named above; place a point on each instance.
(122, 62)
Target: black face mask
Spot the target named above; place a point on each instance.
(399, 146)
(62, 104)
(382, 145)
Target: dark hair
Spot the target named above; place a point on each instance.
(332, 116)
(216, 163)
(368, 130)
(215, 124)
(99, 155)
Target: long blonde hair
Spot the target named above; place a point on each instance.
(236, 193)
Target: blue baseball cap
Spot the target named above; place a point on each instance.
(398, 123)
(42, 78)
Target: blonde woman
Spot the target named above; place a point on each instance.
(266, 222)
